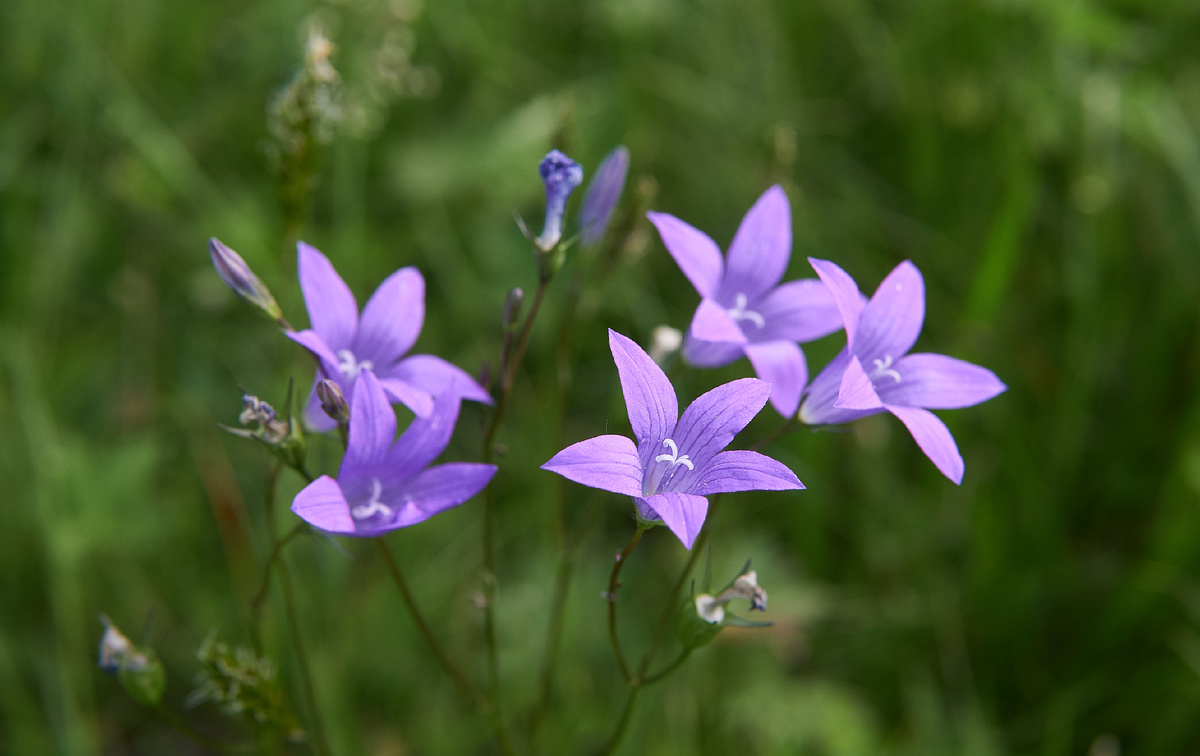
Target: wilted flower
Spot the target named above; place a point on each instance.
(875, 372)
(346, 344)
(603, 194)
(237, 275)
(744, 310)
(138, 670)
(386, 483)
(677, 460)
(560, 175)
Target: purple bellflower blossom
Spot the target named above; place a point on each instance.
(346, 343)
(560, 175)
(603, 194)
(385, 482)
(875, 372)
(744, 309)
(677, 461)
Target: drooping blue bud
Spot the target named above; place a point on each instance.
(561, 175)
(603, 194)
(237, 275)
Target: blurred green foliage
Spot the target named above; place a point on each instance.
(1039, 160)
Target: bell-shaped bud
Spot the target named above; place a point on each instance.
(603, 194)
(333, 401)
(237, 275)
(560, 175)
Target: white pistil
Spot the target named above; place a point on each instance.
(884, 367)
(739, 311)
(372, 507)
(349, 366)
(674, 457)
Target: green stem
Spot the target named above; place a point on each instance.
(460, 680)
(613, 584)
(260, 597)
(786, 427)
(666, 671)
(622, 724)
(320, 745)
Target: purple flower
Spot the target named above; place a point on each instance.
(345, 344)
(744, 310)
(875, 372)
(561, 175)
(385, 482)
(677, 460)
(603, 194)
(237, 275)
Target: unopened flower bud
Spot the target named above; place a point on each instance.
(603, 194)
(664, 342)
(512, 308)
(560, 175)
(333, 401)
(284, 437)
(138, 671)
(271, 429)
(237, 275)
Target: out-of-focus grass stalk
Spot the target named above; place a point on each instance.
(614, 582)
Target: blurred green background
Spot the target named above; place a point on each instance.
(1039, 160)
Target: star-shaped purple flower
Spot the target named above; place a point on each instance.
(385, 482)
(677, 460)
(875, 372)
(744, 310)
(346, 344)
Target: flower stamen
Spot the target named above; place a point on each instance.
(884, 367)
(372, 507)
(674, 457)
(739, 311)
(349, 366)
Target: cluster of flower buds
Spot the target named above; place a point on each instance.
(704, 615)
(138, 670)
(245, 685)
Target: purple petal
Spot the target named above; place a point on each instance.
(683, 513)
(603, 194)
(332, 310)
(695, 253)
(800, 311)
(845, 294)
(857, 391)
(322, 505)
(435, 376)
(392, 318)
(890, 323)
(606, 462)
(934, 438)
(761, 248)
(313, 342)
(438, 489)
(710, 354)
(649, 397)
(422, 441)
(780, 363)
(372, 425)
(745, 471)
(935, 381)
(711, 422)
(417, 400)
(314, 416)
(818, 406)
(713, 323)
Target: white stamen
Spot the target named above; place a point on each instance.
(349, 366)
(674, 457)
(739, 311)
(372, 507)
(884, 367)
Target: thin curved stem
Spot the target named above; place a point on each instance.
(791, 422)
(666, 671)
(320, 745)
(260, 596)
(613, 584)
(622, 724)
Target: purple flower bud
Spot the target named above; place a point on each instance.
(237, 275)
(561, 175)
(603, 194)
(333, 401)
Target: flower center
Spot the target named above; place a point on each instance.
(372, 507)
(739, 311)
(664, 474)
(884, 367)
(350, 367)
